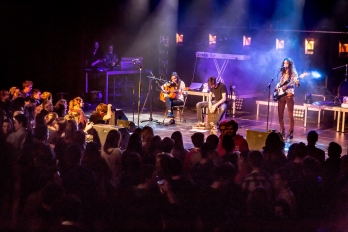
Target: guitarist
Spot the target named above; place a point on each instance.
(288, 80)
(173, 94)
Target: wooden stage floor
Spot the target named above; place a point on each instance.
(246, 120)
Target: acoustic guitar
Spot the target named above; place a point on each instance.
(278, 93)
(172, 92)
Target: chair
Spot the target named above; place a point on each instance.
(179, 108)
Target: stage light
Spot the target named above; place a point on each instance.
(246, 41)
(279, 44)
(343, 49)
(212, 40)
(179, 39)
(315, 74)
(309, 46)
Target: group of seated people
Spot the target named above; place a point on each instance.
(53, 180)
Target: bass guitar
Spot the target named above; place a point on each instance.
(280, 92)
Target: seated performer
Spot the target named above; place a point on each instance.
(219, 90)
(172, 94)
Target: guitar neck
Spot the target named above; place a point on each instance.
(288, 84)
(293, 81)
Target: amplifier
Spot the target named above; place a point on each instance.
(256, 139)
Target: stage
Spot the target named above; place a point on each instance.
(247, 120)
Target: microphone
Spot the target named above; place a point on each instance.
(135, 60)
(152, 74)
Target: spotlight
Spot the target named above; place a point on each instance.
(279, 44)
(309, 46)
(246, 40)
(315, 74)
(179, 39)
(212, 40)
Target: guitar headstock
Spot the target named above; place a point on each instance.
(303, 75)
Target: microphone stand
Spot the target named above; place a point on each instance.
(139, 94)
(346, 74)
(151, 98)
(269, 97)
(133, 103)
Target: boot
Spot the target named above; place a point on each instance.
(291, 134)
(282, 132)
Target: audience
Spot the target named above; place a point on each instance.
(273, 153)
(258, 177)
(157, 185)
(312, 150)
(178, 149)
(194, 155)
(231, 127)
(112, 154)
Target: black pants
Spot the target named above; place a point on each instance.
(289, 101)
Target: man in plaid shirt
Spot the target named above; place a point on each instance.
(257, 177)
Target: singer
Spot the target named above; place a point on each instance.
(172, 94)
(286, 91)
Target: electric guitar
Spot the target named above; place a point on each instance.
(280, 92)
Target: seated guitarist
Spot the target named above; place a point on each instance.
(173, 94)
(288, 80)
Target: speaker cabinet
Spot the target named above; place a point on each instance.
(102, 130)
(127, 124)
(256, 139)
(117, 114)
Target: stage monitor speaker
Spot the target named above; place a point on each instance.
(102, 130)
(256, 139)
(117, 114)
(127, 124)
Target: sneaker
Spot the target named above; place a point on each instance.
(170, 115)
(214, 130)
(199, 125)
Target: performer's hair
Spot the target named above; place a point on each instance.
(102, 107)
(211, 80)
(292, 68)
(177, 76)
